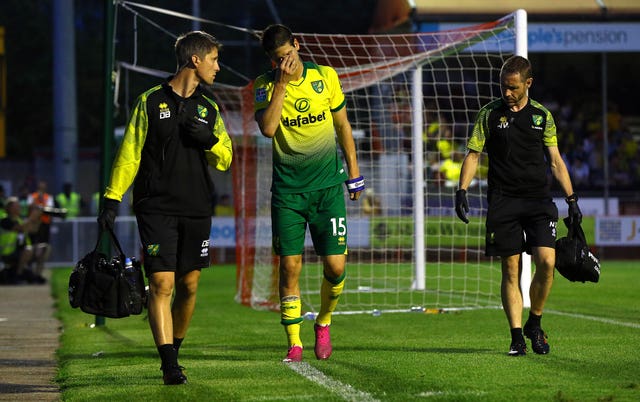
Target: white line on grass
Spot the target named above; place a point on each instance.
(439, 394)
(345, 391)
(599, 319)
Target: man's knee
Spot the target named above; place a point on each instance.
(161, 285)
(545, 260)
(187, 285)
(334, 265)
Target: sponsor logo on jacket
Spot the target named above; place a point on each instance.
(165, 112)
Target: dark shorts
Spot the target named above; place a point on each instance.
(174, 243)
(43, 235)
(325, 213)
(515, 225)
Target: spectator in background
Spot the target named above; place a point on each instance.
(594, 158)
(580, 173)
(69, 200)
(620, 173)
(94, 207)
(224, 207)
(450, 169)
(628, 146)
(445, 143)
(23, 200)
(371, 204)
(439, 147)
(614, 118)
(41, 237)
(15, 243)
(589, 143)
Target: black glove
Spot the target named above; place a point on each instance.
(575, 215)
(199, 133)
(462, 205)
(107, 217)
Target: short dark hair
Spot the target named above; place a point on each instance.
(195, 42)
(274, 36)
(517, 65)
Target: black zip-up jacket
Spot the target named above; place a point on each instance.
(166, 165)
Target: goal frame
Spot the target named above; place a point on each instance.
(420, 265)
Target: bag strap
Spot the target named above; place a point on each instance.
(114, 239)
(570, 228)
(575, 231)
(579, 234)
(117, 243)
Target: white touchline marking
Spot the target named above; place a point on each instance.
(345, 391)
(2, 319)
(593, 318)
(429, 394)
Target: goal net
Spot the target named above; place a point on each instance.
(412, 100)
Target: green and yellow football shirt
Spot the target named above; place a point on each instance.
(305, 151)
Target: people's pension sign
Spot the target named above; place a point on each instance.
(564, 37)
(594, 37)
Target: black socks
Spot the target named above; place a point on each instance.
(534, 320)
(168, 355)
(176, 344)
(516, 335)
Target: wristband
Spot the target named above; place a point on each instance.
(571, 198)
(355, 185)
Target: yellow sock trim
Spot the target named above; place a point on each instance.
(290, 317)
(329, 297)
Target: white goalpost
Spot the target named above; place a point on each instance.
(412, 101)
(522, 49)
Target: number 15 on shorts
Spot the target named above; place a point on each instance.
(339, 226)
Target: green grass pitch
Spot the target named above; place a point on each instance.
(233, 353)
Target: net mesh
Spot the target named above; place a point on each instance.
(458, 72)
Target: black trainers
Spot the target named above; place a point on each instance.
(173, 375)
(538, 339)
(518, 348)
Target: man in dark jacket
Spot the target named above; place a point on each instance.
(519, 136)
(174, 133)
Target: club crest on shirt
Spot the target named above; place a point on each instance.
(202, 111)
(537, 119)
(165, 113)
(153, 249)
(317, 86)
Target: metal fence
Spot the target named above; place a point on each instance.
(72, 239)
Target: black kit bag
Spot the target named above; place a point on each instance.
(574, 259)
(104, 287)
